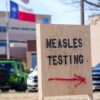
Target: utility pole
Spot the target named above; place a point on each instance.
(82, 11)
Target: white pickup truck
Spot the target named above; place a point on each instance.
(32, 81)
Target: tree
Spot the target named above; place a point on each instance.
(96, 4)
(85, 5)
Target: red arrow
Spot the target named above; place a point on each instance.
(75, 78)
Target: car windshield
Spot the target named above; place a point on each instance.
(6, 66)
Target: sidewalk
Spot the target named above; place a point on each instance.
(34, 96)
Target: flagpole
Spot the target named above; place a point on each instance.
(7, 32)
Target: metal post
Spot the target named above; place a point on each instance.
(82, 11)
(7, 31)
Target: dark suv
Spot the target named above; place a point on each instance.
(12, 75)
(96, 78)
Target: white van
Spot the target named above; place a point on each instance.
(32, 81)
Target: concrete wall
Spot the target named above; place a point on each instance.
(95, 39)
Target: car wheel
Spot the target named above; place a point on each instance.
(5, 77)
(21, 87)
(33, 90)
(4, 90)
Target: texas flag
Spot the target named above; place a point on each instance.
(20, 13)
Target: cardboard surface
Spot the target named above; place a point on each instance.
(64, 60)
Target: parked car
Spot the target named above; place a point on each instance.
(32, 81)
(96, 78)
(12, 75)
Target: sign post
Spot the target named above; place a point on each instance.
(64, 60)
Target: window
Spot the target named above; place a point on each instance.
(7, 66)
(33, 60)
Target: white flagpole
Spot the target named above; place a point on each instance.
(7, 31)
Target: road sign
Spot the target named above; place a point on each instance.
(64, 60)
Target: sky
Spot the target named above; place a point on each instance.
(60, 13)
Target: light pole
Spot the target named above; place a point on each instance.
(7, 32)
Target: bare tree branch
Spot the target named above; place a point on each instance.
(92, 3)
(85, 6)
(73, 2)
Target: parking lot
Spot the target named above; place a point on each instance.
(34, 96)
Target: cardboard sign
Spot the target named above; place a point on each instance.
(64, 60)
